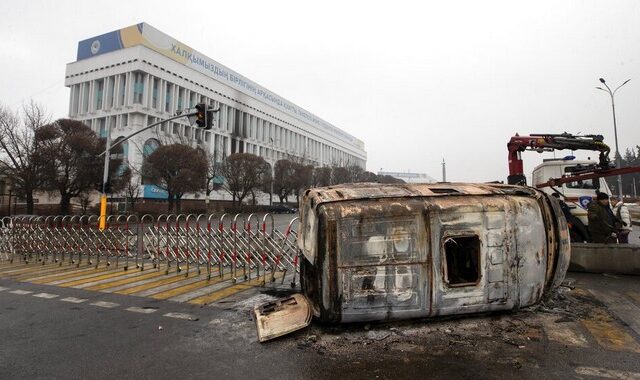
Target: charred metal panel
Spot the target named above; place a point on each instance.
(378, 252)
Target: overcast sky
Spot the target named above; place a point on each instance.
(417, 81)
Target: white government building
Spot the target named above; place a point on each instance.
(135, 76)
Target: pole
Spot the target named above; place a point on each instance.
(105, 177)
(273, 175)
(10, 202)
(635, 194)
(145, 128)
(618, 156)
(615, 127)
(444, 171)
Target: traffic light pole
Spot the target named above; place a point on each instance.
(102, 223)
(105, 177)
(142, 130)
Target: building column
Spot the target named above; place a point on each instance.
(116, 92)
(146, 92)
(129, 91)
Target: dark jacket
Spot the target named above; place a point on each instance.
(602, 222)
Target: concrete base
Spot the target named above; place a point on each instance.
(605, 258)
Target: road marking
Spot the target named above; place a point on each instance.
(564, 333)
(115, 273)
(73, 300)
(226, 292)
(183, 289)
(52, 276)
(3, 288)
(123, 276)
(24, 269)
(48, 271)
(46, 295)
(157, 286)
(181, 316)
(609, 333)
(105, 304)
(634, 295)
(19, 269)
(21, 292)
(113, 284)
(624, 309)
(607, 373)
(64, 277)
(142, 310)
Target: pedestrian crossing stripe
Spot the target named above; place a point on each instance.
(151, 285)
(189, 287)
(113, 284)
(48, 276)
(63, 276)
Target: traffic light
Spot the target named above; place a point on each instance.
(201, 115)
(209, 119)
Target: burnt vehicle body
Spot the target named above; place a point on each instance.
(385, 252)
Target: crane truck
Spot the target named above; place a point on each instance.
(576, 182)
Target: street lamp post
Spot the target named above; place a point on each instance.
(615, 128)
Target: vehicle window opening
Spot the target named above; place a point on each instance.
(462, 260)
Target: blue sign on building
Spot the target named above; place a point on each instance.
(154, 192)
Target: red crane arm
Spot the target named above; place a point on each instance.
(549, 142)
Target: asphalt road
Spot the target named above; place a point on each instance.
(55, 332)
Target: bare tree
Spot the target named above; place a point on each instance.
(85, 200)
(244, 173)
(213, 178)
(284, 182)
(69, 151)
(20, 151)
(389, 179)
(355, 173)
(303, 178)
(131, 193)
(321, 176)
(367, 177)
(340, 175)
(267, 183)
(177, 169)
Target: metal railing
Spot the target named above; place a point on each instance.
(240, 247)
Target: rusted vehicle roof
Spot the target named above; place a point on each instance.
(377, 190)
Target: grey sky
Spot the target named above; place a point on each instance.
(417, 81)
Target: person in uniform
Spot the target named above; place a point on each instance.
(603, 224)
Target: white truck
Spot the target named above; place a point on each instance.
(577, 194)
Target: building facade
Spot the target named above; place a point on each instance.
(133, 77)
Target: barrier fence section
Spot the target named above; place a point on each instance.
(235, 247)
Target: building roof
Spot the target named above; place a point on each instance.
(150, 37)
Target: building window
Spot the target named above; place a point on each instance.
(154, 94)
(124, 120)
(138, 87)
(167, 100)
(180, 98)
(99, 91)
(123, 87)
(102, 130)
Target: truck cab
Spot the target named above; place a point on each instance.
(576, 195)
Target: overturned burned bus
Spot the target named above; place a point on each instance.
(381, 252)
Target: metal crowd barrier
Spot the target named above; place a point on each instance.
(237, 247)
